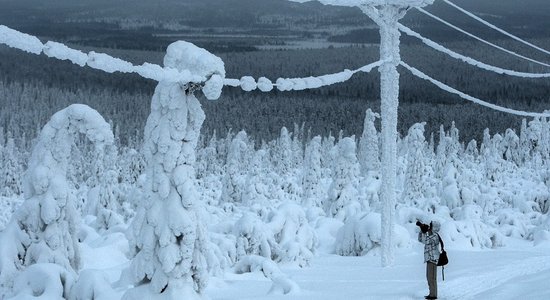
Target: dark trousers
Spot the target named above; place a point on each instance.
(431, 275)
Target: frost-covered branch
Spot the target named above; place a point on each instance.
(495, 27)
(482, 40)
(449, 89)
(469, 60)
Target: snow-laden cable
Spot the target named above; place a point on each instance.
(109, 64)
(480, 39)
(495, 27)
(100, 61)
(449, 89)
(467, 59)
(248, 83)
(19, 40)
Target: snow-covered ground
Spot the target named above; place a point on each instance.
(517, 271)
(509, 273)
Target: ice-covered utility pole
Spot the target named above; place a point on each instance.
(386, 13)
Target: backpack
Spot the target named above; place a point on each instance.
(443, 259)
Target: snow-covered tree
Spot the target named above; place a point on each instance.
(362, 234)
(540, 134)
(296, 239)
(491, 157)
(107, 205)
(418, 176)
(328, 155)
(43, 229)
(287, 155)
(10, 173)
(257, 187)
(235, 171)
(208, 162)
(343, 196)
(525, 147)
(369, 154)
(284, 236)
(312, 175)
(283, 155)
(440, 157)
(168, 237)
(253, 237)
(209, 172)
(510, 145)
(297, 146)
(131, 165)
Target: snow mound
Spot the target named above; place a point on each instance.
(43, 281)
(468, 231)
(362, 234)
(92, 284)
(281, 283)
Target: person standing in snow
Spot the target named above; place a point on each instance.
(428, 235)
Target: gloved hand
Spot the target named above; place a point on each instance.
(423, 227)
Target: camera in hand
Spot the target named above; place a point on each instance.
(423, 227)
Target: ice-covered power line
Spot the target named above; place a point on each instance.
(495, 27)
(480, 39)
(101, 61)
(106, 63)
(469, 60)
(465, 96)
(248, 83)
(109, 64)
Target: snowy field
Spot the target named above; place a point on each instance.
(517, 271)
(512, 274)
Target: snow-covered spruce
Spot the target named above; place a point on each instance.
(257, 186)
(284, 236)
(343, 196)
(12, 161)
(253, 237)
(369, 152)
(419, 183)
(296, 239)
(107, 205)
(167, 236)
(43, 229)
(312, 174)
(235, 174)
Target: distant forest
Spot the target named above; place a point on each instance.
(32, 88)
